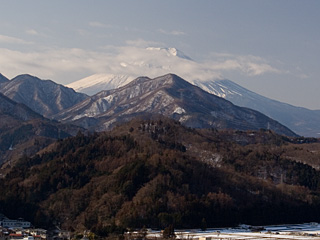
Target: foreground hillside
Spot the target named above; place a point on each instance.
(156, 173)
(24, 132)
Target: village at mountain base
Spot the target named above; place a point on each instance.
(23, 230)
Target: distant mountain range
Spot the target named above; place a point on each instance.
(301, 120)
(170, 96)
(27, 102)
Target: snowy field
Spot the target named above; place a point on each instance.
(293, 231)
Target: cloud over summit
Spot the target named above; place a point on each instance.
(133, 59)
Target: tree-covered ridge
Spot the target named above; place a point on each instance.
(156, 173)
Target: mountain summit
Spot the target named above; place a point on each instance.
(154, 61)
(42, 96)
(170, 52)
(171, 96)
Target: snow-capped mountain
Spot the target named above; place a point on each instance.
(43, 96)
(153, 61)
(170, 52)
(170, 96)
(98, 82)
(302, 121)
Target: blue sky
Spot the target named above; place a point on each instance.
(271, 47)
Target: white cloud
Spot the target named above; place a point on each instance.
(32, 32)
(141, 43)
(134, 59)
(255, 69)
(173, 32)
(248, 65)
(82, 32)
(12, 40)
(304, 76)
(99, 25)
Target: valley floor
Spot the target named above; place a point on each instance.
(294, 231)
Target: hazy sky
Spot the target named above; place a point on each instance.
(271, 47)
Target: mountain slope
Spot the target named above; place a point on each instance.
(156, 173)
(155, 61)
(43, 96)
(24, 132)
(303, 121)
(3, 79)
(170, 96)
(98, 82)
(15, 110)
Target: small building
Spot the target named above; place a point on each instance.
(15, 236)
(9, 223)
(37, 233)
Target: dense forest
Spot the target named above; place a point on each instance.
(157, 173)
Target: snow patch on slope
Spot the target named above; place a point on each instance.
(179, 110)
(98, 82)
(215, 87)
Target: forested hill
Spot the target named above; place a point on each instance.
(156, 173)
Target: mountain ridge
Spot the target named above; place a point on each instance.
(43, 96)
(16, 110)
(301, 120)
(171, 96)
(24, 132)
(3, 79)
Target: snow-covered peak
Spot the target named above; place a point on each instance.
(170, 52)
(151, 62)
(98, 82)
